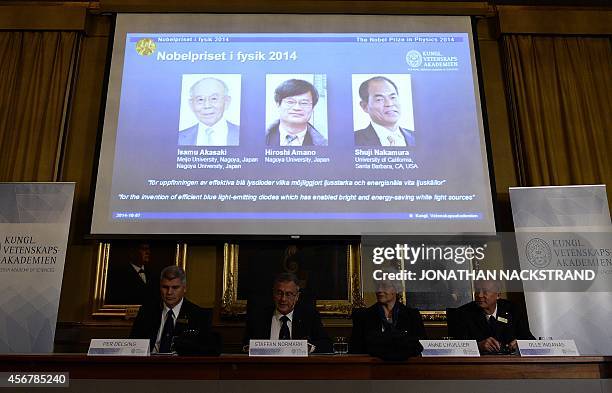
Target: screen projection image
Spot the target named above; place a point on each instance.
(292, 125)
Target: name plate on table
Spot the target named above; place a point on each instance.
(432, 348)
(547, 348)
(292, 348)
(118, 347)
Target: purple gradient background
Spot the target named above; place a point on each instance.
(445, 113)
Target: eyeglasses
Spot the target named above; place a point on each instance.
(290, 103)
(289, 295)
(211, 100)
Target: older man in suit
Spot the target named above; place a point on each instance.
(283, 320)
(209, 99)
(380, 100)
(494, 323)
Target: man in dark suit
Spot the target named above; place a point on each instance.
(283, 320)
(295, 99)
(175, 323)
(380, 100)
(386, 324)
(209, 99)
(494, 323)
(131, 281)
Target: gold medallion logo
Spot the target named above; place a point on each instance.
(145, 47)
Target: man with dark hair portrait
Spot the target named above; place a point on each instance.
(131, 281)
(295, 100)
(175, 324)
(379, 98)
(286, 319)
(209, 98)
(493, 322)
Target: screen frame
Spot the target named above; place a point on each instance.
(208, 238)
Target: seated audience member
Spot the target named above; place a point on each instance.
(175, 323)
(494, 323)
(388, 329)
(286, 319)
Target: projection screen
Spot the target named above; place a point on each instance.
(292, 125)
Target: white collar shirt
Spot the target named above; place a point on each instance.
(494, 315)
(296, 142)
(275, 327)
(385, 135)
(215, 135)
(142, 274)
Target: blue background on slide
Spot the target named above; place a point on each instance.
(444, 105)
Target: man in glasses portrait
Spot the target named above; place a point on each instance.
(295, 100)
(209, 99)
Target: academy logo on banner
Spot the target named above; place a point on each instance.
(34, 225)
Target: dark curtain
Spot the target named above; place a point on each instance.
(35, 75)
(561, 108)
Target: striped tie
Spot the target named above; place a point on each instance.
(291, 139)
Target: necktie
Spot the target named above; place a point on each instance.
(167, 333)
(142, 275)
(493, 324)
(291, 139)
(284, 333)
(391, 140)
(209, 132)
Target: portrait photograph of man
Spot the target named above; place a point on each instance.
(133, 271)
(296, 110)
(382, 110)
(210, 110)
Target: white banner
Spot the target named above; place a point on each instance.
(34, 225)
(580, 215)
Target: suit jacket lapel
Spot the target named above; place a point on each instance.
(372, 136)
(307, 139)
(297, 326)
(266, 324)
(504, 330)
(182, 320)
(155, 324)
(483, 325)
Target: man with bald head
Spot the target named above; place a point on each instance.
(209, 99)
(379, 98)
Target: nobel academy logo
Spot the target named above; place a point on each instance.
(538, 252)
(414, 58)
(145, 47)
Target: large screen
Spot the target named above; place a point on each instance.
(292, 125)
